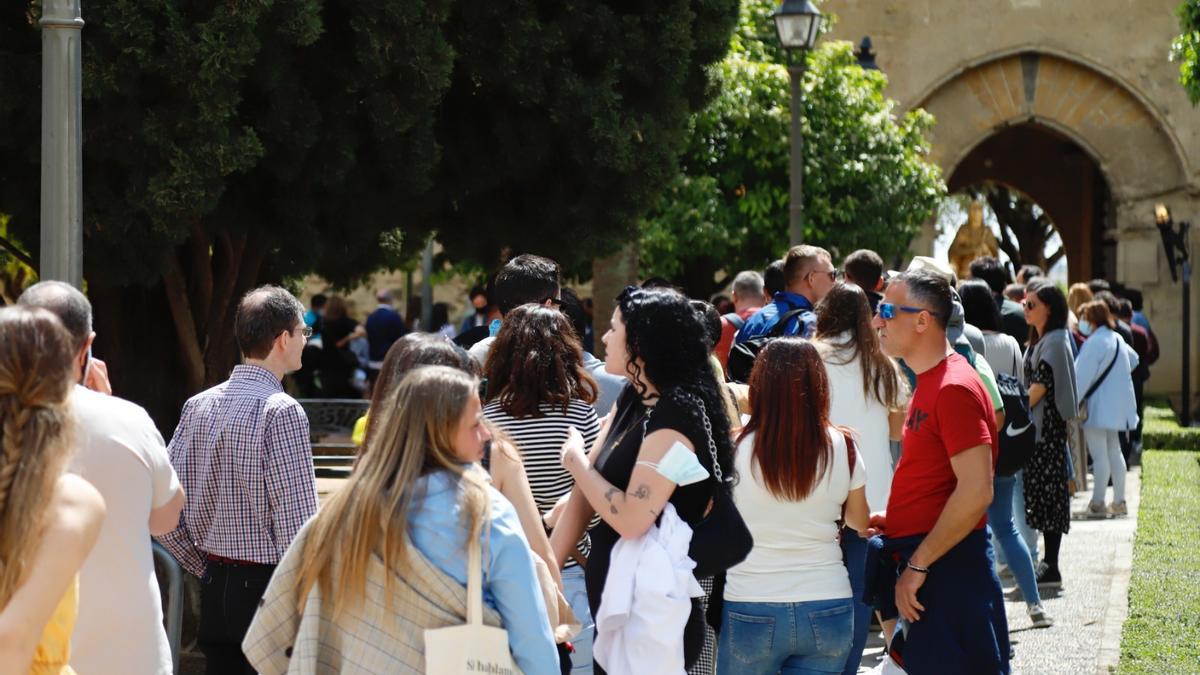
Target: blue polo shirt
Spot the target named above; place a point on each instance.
(761, 323)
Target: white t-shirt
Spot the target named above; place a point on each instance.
(850, 407)
(796, 557)
(120, 624)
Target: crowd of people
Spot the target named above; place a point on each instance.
(733, 489)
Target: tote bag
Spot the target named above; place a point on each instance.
(473, 647)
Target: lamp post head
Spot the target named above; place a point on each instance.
(866, 57)
(797, 23)
(1162, 215)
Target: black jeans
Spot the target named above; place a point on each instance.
(228, 599)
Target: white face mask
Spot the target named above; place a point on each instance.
(1085, 328)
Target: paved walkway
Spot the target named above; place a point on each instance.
(1088, 611)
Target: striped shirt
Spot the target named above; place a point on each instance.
(540, 440)
(244, 458)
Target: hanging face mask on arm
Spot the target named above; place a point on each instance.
(679, 466)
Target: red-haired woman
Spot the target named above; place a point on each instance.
(788, 605)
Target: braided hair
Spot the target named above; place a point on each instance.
(35, 379)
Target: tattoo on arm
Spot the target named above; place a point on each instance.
(608, 495)
(642, 492)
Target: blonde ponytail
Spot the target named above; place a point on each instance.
(35, 379)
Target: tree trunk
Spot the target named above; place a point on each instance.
(176, 288)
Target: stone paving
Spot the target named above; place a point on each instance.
(1088, 611)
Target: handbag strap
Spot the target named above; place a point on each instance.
(712, 445)
(1100, 380)
(474, 584)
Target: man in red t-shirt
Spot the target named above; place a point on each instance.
(748, 298)
(941, 491)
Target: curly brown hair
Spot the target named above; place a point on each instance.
(537, 359)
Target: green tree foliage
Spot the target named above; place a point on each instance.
(1186, 48)
(229, 143)
(563, 121)
(867, 179)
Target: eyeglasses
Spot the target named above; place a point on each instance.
(307, 332)
(887, 310)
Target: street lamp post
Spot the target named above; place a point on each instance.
(62, 143)
(798, 23)
(1176, 244)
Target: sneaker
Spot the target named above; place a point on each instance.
(1096, 511)
(1118, 509)
(1049, 577)
(1039, 617)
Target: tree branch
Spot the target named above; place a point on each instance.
(17, 253)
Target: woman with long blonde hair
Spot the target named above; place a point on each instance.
(385, 558)
(48, 519)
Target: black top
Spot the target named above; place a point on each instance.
(618, 457)
(1012, 319)
(333, 330)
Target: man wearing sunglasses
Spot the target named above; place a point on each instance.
(934, 523)
(809, 274)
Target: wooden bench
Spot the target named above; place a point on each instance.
(331, 423)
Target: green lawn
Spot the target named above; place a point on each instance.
(1162, 430)
(1162, 634)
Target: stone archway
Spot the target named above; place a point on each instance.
(1096, 111)
(1062, 178)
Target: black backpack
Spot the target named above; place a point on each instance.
(1018, 437)
(742, 354)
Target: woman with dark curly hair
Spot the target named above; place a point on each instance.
(671, 413)
(537, 390)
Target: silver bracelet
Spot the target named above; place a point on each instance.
(916, 568)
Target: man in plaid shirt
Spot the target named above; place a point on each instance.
(242, 453)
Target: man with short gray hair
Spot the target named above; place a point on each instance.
(748, 298)
(119, 628)
(243, 454)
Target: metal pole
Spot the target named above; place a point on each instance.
(427, 288)
(796, 190)
(62, 143)
(1186, 412)
(174, 613)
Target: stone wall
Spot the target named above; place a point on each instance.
(1095, 71)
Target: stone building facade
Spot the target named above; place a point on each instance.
(1074, 103)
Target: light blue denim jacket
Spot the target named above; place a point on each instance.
(509, 581)
(1112, 405)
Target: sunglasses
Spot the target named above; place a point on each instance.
(834, 275)
(1029, 304)
(554, 302)
(307, 331)
(887, 310)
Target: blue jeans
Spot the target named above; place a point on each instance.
(854, 555)
(1029, 534)
(792, 638)
(575, 590)
(1016, 553)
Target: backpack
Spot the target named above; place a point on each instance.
(734, 320)
(1018, 436)
(742, 354)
